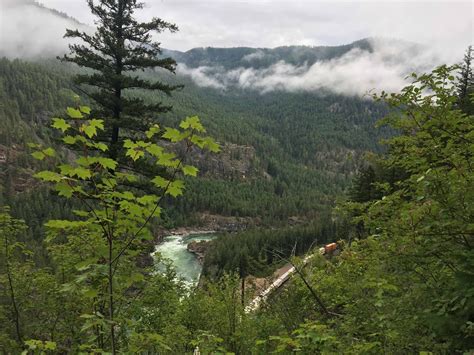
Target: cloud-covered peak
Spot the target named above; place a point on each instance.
(368, 65)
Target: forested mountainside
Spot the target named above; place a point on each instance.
(30, 95)
(284, 154)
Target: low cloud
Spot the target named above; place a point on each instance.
(28, 30)
(258, 55)
(204, 76)
(355, 73)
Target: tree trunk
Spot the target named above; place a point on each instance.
(242, 290)
(16, 313)
(111, 296)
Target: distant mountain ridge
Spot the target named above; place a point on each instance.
(231, 58)
(247, 57)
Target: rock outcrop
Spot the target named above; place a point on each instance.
(199, 249)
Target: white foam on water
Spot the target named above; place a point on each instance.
(174, 248)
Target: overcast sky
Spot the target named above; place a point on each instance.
(444, 27)
(271, 23)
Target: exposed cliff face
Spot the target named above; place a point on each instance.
(15, 173)
(233, 162)
(220, 223)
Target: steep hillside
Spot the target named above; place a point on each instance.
(284, 154)
(307, 146)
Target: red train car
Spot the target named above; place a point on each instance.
(328, 248)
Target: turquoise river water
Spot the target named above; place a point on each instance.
(174, 248)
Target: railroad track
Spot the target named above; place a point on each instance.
(262, 296)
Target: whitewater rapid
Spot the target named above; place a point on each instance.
(174, 248)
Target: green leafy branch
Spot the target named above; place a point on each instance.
(114, 211)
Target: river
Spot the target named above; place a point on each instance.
(174, 248)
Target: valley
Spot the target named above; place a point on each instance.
(304, 188)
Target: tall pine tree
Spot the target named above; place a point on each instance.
(465, 84)
(120, 48)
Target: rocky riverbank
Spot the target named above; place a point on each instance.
(199, 249)
(227, 223)
(209, 223)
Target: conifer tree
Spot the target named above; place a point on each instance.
(120, 48)
(363, 189)
(466, 83)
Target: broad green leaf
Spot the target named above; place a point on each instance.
(49, 345)
(160, 182)
(135, 154)
(211, 145)
(69, 140)
(152, 131)
(175, 188)
(99, 124)
(156, 213)
(172, 134)
(107, 163)
(74, 113)
(131, 208)
(85, 109)
(142, 144)
(50, 176)
(38, 155)
(199, 141)
(193, 123)
(64, 189)
(50, 152)
(167, 159)
(82, 173)
(155, 150)
(85, 161)
(89, 130)
(101, 146)
(190, 170)
(66, 169)
(61, 124)
(147, 199)
(128, 143)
